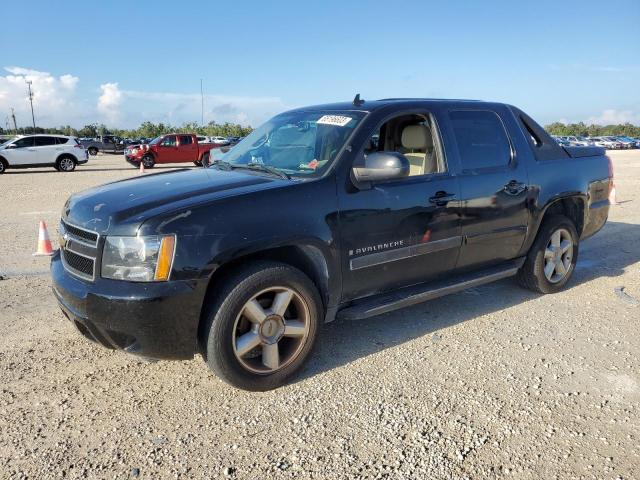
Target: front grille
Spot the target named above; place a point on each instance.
(79, 263)
(79, 249)
(88, 236)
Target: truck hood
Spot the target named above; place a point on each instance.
(121, 207)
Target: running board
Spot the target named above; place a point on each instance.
(405, 297)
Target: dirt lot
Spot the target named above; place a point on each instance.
(493, 382)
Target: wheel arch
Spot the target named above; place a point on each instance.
(65, 155)
(574, 207)
(305, 257)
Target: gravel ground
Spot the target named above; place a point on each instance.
(494, 382)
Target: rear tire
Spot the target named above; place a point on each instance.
(552, 257)
(92, 151)
(205, 160)
(251, 339)
(66, 164)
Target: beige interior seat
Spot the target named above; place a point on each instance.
(419, 143)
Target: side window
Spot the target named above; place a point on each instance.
(186, 140)
(415, 136)
(481, 139)
(62, 141)
(45, 141)
(169, 141)
(24, 142)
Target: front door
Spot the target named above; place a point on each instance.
(493, 186)
(405, 231)
(168, 150)
(22, 152)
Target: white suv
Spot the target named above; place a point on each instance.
(58, 151)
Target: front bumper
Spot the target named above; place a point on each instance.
(132, 160)
(154, 320)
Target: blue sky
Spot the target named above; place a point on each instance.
(125, 62)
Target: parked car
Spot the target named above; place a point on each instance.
(204, 139)
(220, 140)
(627, 142)
(36, 151)
(305, 221)
(103, 143)
(6, 138)
(171, 148)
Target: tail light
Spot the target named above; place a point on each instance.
(79, 146)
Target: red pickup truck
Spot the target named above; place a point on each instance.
(169, 148)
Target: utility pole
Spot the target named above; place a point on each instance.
(29, 82)
(15, 125)
(201, 104)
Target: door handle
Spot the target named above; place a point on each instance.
(441, 198)
(514, 187)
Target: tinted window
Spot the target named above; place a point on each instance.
(24, 142)
(186, 140)
(481, 139)
(45, 141)
(61, 140)
(170, 141)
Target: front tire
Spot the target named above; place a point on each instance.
(3, 166)
(552, 258)
(262, 326)
(148, 161)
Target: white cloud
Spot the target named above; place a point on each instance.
(54, 98)
(109, 102)
(58, 100)
(612, 116)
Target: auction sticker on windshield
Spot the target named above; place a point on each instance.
(338, 120)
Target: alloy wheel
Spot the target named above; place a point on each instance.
(66, 164)
(270, 330)
(558, 255)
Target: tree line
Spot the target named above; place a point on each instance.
(150, 130)
(145, 130)
(583, 130)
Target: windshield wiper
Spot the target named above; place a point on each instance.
(265, 168)
(260, 167)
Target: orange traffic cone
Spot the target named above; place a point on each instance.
(141, 167)
(612, 196)
(44, 244)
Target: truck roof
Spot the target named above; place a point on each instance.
(371, 105)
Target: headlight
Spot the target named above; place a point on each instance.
(138, 259)
(134, 151)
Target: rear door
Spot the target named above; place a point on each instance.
(187, 149)
(46, 150)
(22, 152)
(493, 185)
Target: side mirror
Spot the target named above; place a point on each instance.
(379, 166)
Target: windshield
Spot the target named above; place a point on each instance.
(155, 140)
(297, 143)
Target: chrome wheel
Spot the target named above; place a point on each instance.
(66, 164)
(271, 330)
(558, 256)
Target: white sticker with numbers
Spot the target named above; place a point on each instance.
(338, 120)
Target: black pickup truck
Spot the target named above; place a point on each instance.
(347, 211)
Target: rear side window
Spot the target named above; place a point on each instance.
(61, 140)
(481, 139)
(45, 141)
(186, 140)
